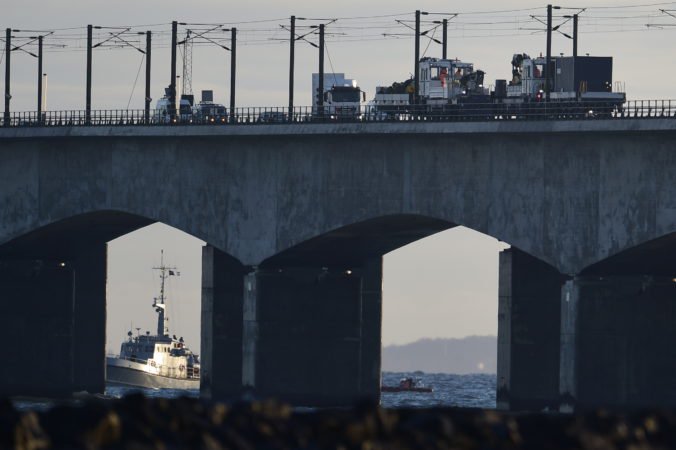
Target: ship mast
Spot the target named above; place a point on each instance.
(159, 303)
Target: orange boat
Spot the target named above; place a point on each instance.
(407, 384)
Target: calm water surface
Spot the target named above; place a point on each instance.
(475, 391)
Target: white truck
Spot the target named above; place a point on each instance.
(341, 96)
(164, 114)
(442, 82)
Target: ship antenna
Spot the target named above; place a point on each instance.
(160, 307)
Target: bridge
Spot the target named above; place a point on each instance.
(297, 217)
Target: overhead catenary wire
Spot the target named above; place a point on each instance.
(328, 55)
(136, 80)
(365, 28)
(429, 42)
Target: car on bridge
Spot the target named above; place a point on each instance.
(272, 117)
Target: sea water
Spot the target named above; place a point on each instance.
(471, 391)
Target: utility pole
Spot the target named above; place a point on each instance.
(44, 92)
(548, 65)
(39, 79)
(88, 102)
(148, 98)
(292, 49)
(233, 72)
(574, 35)
(172, 83)
(445, 38)
(320, 89)
(8, 53)
(416, 82)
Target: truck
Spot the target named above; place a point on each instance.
(442, 83)
(579, 86)
(163, 113)
(341, 96)
(450, 81)
(206, 111)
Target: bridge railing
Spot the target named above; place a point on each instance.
(368, 113)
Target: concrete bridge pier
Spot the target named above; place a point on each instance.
(529, 333)
(308, 335)
(221, 341)
(54, 324)
(626, 357)
(603, 338)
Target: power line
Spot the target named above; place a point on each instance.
(333, 71)
(136, 80)
(631, 6)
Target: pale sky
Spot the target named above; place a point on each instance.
(442, 286)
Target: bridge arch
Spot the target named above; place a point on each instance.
(359, 241)
(53, 285)
(65, 237)
(371, 238)
(329, 290)
(655, 257)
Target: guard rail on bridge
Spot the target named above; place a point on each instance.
(308, 115)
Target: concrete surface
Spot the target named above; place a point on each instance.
(570, 198)
(529, 332)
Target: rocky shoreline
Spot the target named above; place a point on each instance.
(137, 422)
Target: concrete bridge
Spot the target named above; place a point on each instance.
(297, 219)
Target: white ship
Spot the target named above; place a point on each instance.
(160, 361)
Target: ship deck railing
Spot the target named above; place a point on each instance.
(164, 370)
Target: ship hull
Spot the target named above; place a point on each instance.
(131, 376)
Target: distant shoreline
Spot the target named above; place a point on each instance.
(460, 356)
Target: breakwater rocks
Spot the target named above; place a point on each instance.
(136, 422)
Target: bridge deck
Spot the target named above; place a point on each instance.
(562, 126)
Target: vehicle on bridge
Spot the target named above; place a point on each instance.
(341, 97)
(164, 114)
(206, 111)
(443, 84)
(273, 117)
(581, 86)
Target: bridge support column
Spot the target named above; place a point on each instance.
(570, 298)
(529, 326)
(312, 335)
(53, 320)
(222, 311)
(89, 345)
(625, 342)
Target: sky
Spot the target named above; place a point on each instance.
(442, 286)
